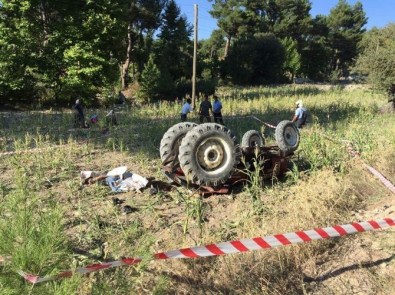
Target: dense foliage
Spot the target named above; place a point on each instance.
(52, 52)
(377, 59)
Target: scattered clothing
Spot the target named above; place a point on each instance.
(118, 179)
(128, 209)
(94, 119)
(117, 201)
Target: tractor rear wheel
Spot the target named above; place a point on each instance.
(171, 141)
(208, 154)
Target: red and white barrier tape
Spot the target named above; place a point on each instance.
(381, 177)
(243, 245)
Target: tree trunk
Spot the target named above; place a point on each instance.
(126, 64)
(227, 46)
(44, 19)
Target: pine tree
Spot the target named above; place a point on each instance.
(346, 28)
(173, 48)
(149, 82)
(231, 19)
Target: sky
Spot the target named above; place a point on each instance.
(379, 12)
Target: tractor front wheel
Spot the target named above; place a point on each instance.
(252, 138)
(287, 136)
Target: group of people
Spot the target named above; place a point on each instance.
(79, 117)
(204, 110)
(299, 118)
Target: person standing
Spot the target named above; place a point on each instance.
(186, 108)
(79, 118)
(204, 109)
(300, 116)
(217, 107)
(121, 97)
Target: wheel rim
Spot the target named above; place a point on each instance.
(212, 155)
(290, 136)
(254, 141)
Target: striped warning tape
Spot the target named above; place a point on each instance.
(381, 177)
(243, 245)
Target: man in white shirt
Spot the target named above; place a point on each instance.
(186, 108)
(300, 116)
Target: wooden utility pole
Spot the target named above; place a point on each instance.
(194, 57)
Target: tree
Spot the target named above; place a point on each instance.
(149, 82)
(173, 47)
(19, 47)
(292, 58)
(289, 18)
(142, 17)
(255, 61)
(60, 48)
(377, 59)
(283, 18)
(209, 53)
(231, 19)
(316, 52)
(345, 24)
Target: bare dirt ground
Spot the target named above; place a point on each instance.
(365, 264)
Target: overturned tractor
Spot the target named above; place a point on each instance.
(208, 156)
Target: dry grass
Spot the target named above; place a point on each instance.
(325, 187)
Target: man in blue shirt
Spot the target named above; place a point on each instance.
(186, 108)
(300, 116)
(217, 107)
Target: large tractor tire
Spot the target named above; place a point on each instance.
(252, 138)
(287, 136)
(171, 141)
(209, 154)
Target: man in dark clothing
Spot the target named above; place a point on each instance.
(204, 109)
(121, 98)
(217, 107)
(79, 118)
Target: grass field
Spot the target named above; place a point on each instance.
(50, 223)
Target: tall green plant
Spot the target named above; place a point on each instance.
(292, 62)
(149, 82)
